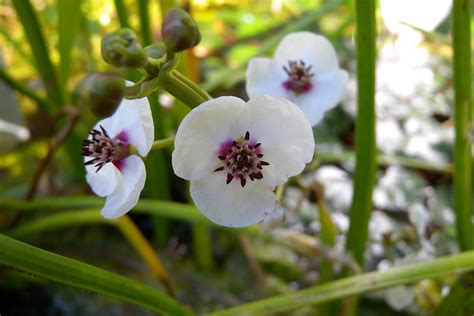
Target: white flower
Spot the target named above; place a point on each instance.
(112, 170)
(304, 70)
(423, 14)
(236, 153)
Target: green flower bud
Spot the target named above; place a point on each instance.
(179, 30)
(101, 92)
(121, 49)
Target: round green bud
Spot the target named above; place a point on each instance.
(101, 92)
(179, 30)
(122, 49)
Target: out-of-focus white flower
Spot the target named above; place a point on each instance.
(423, 14)
(304, 70)
(235, 153)
(113, 171)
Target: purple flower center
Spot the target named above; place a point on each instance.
(103, 149)
(241, 159)
(299, 77)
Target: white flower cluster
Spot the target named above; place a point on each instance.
(234, 153)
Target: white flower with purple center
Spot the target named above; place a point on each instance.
(113, 171)
(236, 153)
(304, 70)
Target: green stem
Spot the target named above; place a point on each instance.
(163, 143)
(72, 272)
(181, 90)
(192, 85)
(461, 30)
(364, 176)
(22, 89)
(359, 284)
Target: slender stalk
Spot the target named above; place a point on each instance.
(163, 143)
(461, 30)
(144, 21)
(192, 85)
(202, 245)
(143, 247)
(355, 285)
(364, 176)
(72, 272)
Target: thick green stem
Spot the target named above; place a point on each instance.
(463, 119)
(364, 176)
(181, 90)
(121, 13)
(363, 283)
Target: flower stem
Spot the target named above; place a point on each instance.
(163, 143)
(143, 247)
(366, 163)
(181, 90)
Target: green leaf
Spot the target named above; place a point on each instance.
(72, 272)
(355, 285)
(68, 28)
(38, 46)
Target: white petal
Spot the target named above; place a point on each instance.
(326, 93)
(105, 181)
(230, 204)
(135, 119)
(285, 133)
(124, 198)
(265, 76)
(200, 134)
(311, 48)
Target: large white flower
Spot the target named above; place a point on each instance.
(236, 153)
(304, 70)
(423, 14)
(113, 171)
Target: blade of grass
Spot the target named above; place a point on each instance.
(69, 13)
(144, 22)
(72, 272)
(38, 46)
(355, 285)
(461, 19)
(461, 291)
(121, 13)
(364, 176)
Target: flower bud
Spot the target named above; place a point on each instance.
(102, 92)
(156, 51)
(179, 30)
(121, 49)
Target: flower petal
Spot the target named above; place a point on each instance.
(231, 205)
(326, 93)
(134, 118)
(284, 132)
(201, 132)
(313, 49)
(125, 197)
(265, 76)
(105, 181)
